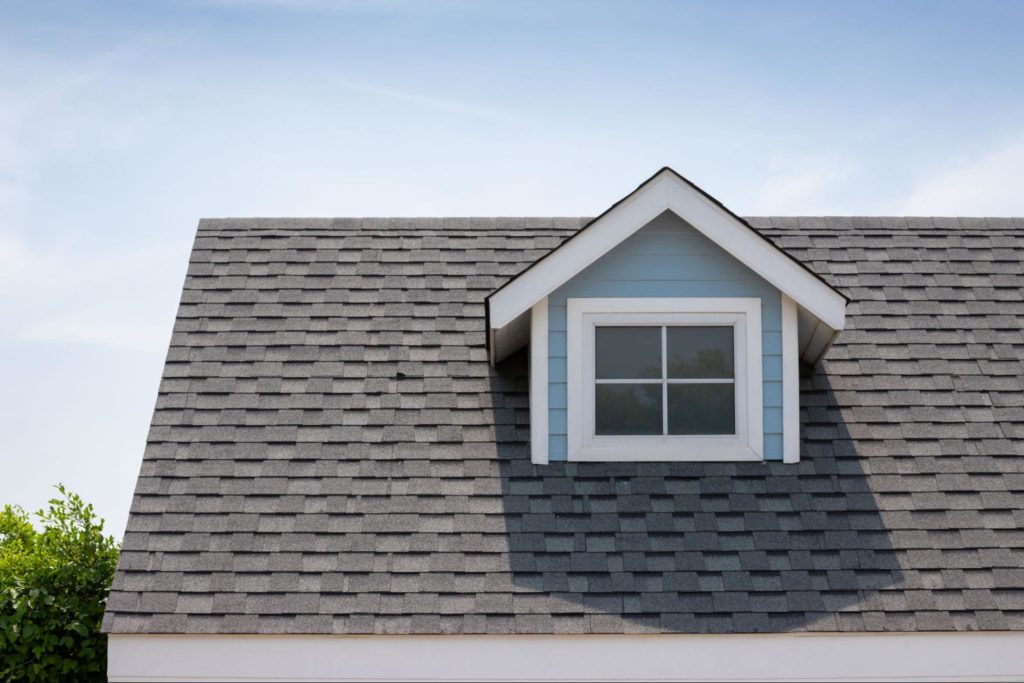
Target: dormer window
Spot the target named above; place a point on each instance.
(664, 379)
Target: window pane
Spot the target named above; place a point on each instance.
(628, 352)
(627, 409)
(700, 352)
(701, 409)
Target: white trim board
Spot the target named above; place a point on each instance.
(539, 383)
(985, 656)
(667, 191)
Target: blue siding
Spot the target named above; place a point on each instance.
(667, 258)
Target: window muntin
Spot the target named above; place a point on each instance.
(664, 380)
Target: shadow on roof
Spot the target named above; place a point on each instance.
(695, 547)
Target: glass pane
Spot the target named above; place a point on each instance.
(701, 409)
(628, 352)
(626, 409)
(700, 352)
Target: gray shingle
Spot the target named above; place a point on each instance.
(331, 452)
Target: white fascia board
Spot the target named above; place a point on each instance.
(976, 656)
(667, 191)
(539, 383)
(579, 252)
(757, 254)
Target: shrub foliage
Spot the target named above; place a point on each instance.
(53, 588)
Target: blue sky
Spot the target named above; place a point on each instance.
(123, 123)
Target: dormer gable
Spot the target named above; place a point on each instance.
(822, 307)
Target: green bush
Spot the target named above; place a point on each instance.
(53, 588)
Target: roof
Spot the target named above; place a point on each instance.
(331, 451)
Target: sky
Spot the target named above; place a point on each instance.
(123, 123)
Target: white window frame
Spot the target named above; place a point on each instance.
(744, 314)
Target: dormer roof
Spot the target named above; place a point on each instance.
(822, 307)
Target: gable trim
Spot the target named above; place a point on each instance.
(667, 190)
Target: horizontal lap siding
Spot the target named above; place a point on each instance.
(667, 258)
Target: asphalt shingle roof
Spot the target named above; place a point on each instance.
(332, 453)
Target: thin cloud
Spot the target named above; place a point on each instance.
(378, 6)
(803, 185)
(441, 104)
(293, 4)
(100, 330)
(42, 287)
(986, 185)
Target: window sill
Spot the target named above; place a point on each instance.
(660, 449)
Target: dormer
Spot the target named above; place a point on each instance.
(666, 329)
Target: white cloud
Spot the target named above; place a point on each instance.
(42, 288)
(991, 184)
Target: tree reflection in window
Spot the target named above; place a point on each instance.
(664, 380)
